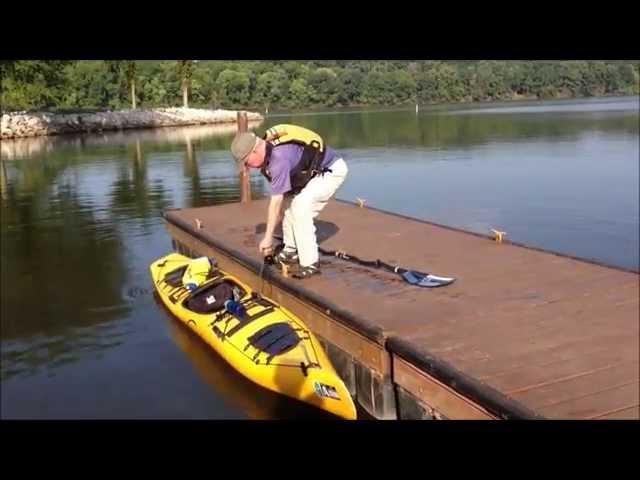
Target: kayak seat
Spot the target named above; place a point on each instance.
(211, 298)
(275, 339)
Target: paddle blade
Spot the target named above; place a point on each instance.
(426, 279)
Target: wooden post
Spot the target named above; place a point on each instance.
(245, 186)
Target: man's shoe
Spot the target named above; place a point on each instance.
(306, 272)
(290, 258)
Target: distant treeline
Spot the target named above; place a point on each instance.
(256, 85)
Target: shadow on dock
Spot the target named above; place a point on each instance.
(324, 230)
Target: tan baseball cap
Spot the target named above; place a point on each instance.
(242, 145)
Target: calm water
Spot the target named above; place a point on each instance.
(81, 334)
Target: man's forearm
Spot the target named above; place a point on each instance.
(275, 205)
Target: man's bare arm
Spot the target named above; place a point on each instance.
(273, 216)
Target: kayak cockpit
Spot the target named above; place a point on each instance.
(211, 297)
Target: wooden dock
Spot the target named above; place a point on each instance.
(522, 333)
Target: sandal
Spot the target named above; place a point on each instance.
(305, 272)
(287, 257)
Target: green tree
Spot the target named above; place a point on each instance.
(299, 93)
(594, 79)
(92, 85)
(185, 72)
(628, 78)
(154, 87)
(33, 84)
(233, 88)
(293, 70)
(350, 84)
(375, 88)
(203, 88)
(568, 81)
(271, 88)
(441, 82)
(323, 82)
(402, 85)
(300, 84)
(119, 87)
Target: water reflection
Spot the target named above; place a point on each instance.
(4, 188)
(71, 208)
(438, 128)
(567, 107)
(58, 267)
(28, 356)
(33, 146)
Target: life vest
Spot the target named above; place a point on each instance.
(196, 273)
(312, 154)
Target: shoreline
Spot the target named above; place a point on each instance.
(30, 124)
(437, 105)
(36, 124)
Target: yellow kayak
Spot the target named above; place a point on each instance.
(261, 340)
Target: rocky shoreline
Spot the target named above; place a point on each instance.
(33, 124)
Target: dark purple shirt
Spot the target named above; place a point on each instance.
(283, 159)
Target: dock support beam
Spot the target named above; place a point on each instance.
(245, 186)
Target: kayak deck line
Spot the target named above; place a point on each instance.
(521, 333)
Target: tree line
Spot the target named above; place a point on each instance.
(259, 85)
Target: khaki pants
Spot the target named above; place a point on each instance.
(298, 228)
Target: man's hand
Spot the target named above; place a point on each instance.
(266, 245)
(275, 206)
